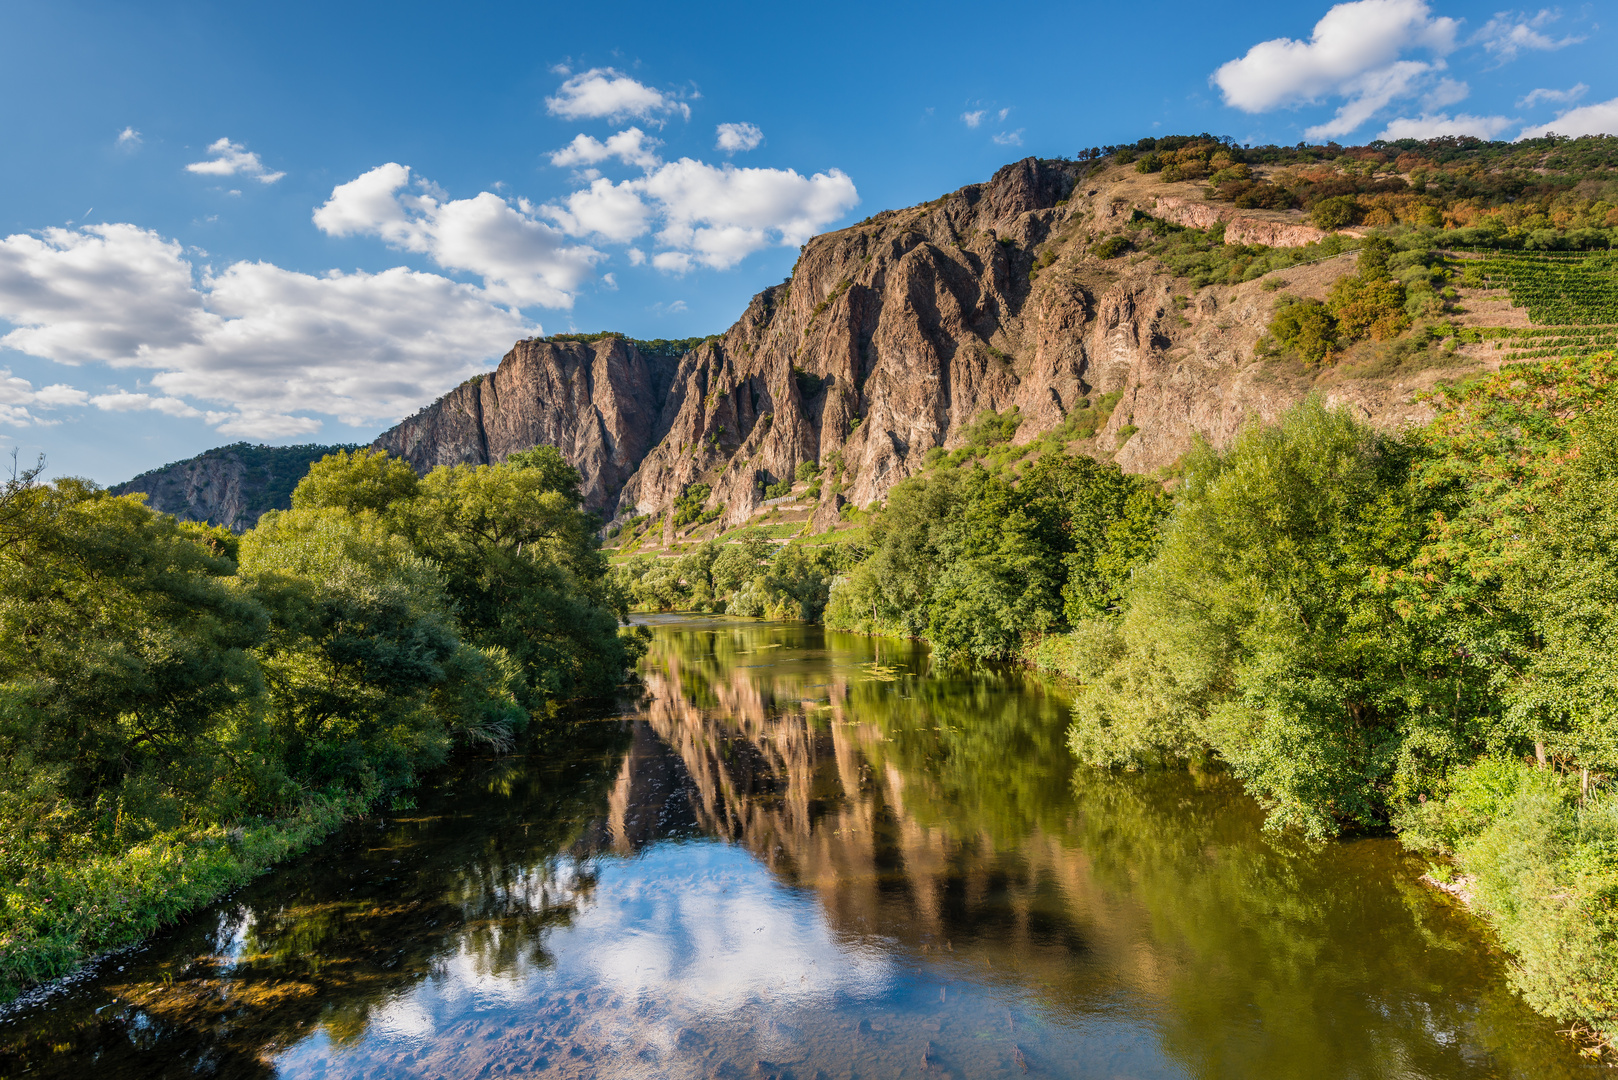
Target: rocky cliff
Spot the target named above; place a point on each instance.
(893, 335)
(888, 340)
(231, 486)
(597, 402)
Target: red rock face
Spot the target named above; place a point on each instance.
(597, 403)
(891, 337)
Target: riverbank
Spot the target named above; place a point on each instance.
(74, 910)
(1530, 851)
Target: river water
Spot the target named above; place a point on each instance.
(806, 854)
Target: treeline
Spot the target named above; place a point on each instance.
(181, 706)
(750, 578)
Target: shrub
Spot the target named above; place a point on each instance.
(1307, 328)
(1112, 247)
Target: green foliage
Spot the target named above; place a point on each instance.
(1261, 631)
(1334, 212)
(990, 428)
(807, 470)
(748, 577)
(1306, 327)
(668, 347)
(1112, 247)
(1540, 860)
(976, 563)
(179, 706)
(1203, 257)
(689, 507)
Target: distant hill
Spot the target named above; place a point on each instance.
(231, 485)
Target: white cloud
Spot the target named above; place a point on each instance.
(522, 260)
(630, 146)
(1509, 33)
(974, 118)
(1598, 119)
(735, 137)
(261, 342)
(711, 215)
(129, 138)
(604, 93)
(1445, 92)
(1437, 125)
(1354, 53)
(124, 401)
(233, 159)
(722, 214)
(17, 394)
(613, 211)
(1566, 97)
(1009, 138)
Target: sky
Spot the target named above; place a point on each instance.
(296, 222)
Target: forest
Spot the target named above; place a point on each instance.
(182, 706)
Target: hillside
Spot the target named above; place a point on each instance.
(231, 486)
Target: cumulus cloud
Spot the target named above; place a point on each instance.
(631, 146)
(521, 259)
(710, 215)
(129, 138)
(1354, 52)
(124, 401)
(973, 118)
(1565, 97)
(261, 343)
(1509, 33)
(1008, 138)
(735, 137)
(604, 93)
(17, 395)
(612, 211)
(1598, 119)
(233, 159)
(1437, 125)
(722, 214)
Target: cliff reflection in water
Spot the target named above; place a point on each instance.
(802, 854)
(940, 809)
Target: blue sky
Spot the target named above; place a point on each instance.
(297, 222)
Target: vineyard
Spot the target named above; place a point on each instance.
(1541, 342)
(1557, 289)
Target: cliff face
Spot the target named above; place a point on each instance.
(231, 486)
(893, 335)
(597, 403)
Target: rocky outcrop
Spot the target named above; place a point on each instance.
(598, 403)
(1241, 227)
(232, 486)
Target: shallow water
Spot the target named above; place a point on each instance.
(805, 854)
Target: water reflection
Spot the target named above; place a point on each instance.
(799, 855)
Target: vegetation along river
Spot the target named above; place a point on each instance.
(799, 854)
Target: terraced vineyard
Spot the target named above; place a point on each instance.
(1562, 289)
(1541, 342)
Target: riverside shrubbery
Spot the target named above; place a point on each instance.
(181, 707)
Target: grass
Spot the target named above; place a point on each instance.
(54, 919)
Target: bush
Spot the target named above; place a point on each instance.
(1307, 328)
(1335, 212)
(1112, 247)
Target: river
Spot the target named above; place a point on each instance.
(807, 854)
